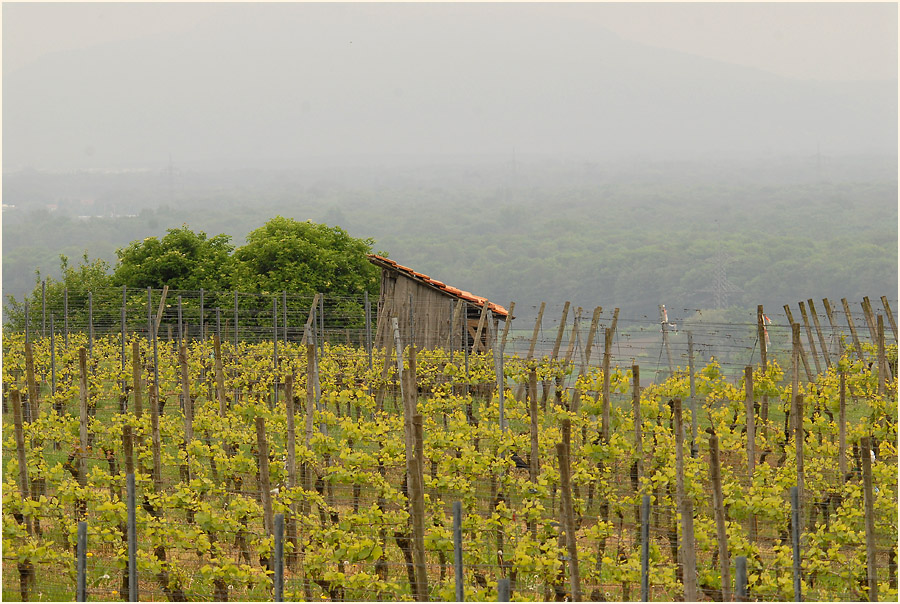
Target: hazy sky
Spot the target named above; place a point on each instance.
(827, 41)
(126, 85)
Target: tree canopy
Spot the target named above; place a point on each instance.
(304, 258)
(283, 255)
(182, 259)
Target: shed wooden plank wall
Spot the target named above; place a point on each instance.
(432, 313)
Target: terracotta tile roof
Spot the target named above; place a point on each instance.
(452, 291)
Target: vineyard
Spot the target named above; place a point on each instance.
(300, 464)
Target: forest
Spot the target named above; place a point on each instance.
(631, 234)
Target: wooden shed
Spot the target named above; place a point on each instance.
(431, 313)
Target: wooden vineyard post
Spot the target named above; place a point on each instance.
(275, 349)
(575, 401)
(890, 316)
(763, 338)
(822, 344)
(407, 413)
(520, 390)
(417, 492)
(20, 452)
(91, 323)
(689, 553)
(534, 463)
(562, 454)
(500, 377)
(291, 432)
(645, 548)
(583, 367)
(56, 405)
(506, 325)
(32, 409)
(798, 344)
(263, 456)
(605, 428)
(853, 334)
(871, 553)
(573, 338)
(291, 465)
(220, 375)
(382, 325)
(589, 343)
(534, 467)
(186, 395)
(637, 469)
(537, 329)
(834, 328)
(798, 445)
(688, 574)
(83, 418)
(719, 504)
(795, 544)
(664, 325)
(43, 308)
(562, 330)
(122, 333)
(795, 381)
(809, 337)
(154, 420)
(477, 343)
(26, 568)
(160, 310)
(66, 316)
(310, 409)
(870, 318)
(607, 353)
(882, 362)
(131, 522)
(751, 439)
(842, 430)
(559, 336)
(385, 370)
(695, 445)
(412, 423)
(136, 377)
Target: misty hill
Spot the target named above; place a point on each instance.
(278, 88)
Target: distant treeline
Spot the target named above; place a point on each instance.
(675, 234)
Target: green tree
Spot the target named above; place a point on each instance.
(304, 258)
(75, 283)
(182, 259)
